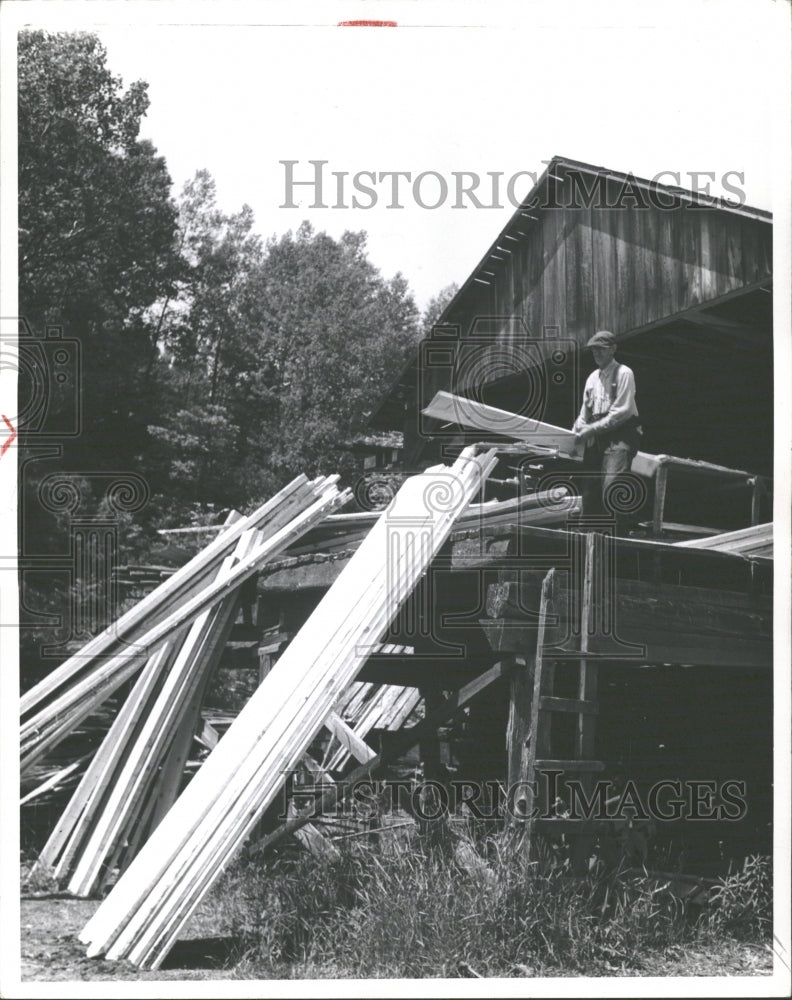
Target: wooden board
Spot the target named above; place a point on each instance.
(470, 413)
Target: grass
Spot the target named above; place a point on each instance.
(468, 908)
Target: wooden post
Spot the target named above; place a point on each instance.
(661, 483)
(434, 829)
(541, 722)
(518, 736)
(594, 600)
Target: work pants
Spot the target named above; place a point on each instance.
(605, 487)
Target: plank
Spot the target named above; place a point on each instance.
(625, 268)
(54, 780)
(470, 413)
(579, 296)
(105, 760)
(172, 769)
(603, 249)
(744, 540)
(208, 736)
(349, 738)
(405, 706)
(645, 235)
(553, 279)
(670, 265)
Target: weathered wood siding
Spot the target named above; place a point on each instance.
(580, 268)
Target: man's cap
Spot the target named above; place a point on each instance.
(604, 338)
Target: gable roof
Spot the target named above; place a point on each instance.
(593, 247)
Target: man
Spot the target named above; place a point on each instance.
(607, 425)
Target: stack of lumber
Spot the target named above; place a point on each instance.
(57, 704)
(366, 706)
(187, 852)
(339, 532)
(136, 773)
(754, 541)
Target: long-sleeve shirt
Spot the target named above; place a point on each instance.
(610, 392)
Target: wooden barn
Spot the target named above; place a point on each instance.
(684, 284)
(659, 663)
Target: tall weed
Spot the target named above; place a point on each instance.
(416, 910)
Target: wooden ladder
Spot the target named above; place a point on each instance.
(546, 704)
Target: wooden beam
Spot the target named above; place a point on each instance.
(348, 738)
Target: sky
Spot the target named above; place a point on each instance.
(486, 88)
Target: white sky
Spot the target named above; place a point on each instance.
(481, 87)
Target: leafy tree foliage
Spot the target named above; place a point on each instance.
(437, 306)
(336, 334)
(217, 402)
(97, 232)
(214, 365)
(278, 354)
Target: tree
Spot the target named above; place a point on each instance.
(335, 335)
(218, 398)
(97, 248)
(97, 233)
(437, 306)
(277, 355)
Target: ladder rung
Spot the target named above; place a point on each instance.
(579, 654)
(571, 765)
(552, 704)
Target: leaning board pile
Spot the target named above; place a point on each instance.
(52, 709)
(175, 638)
(185, 855)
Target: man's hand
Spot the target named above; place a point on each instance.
(584, 434)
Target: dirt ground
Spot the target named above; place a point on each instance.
(51, 951)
